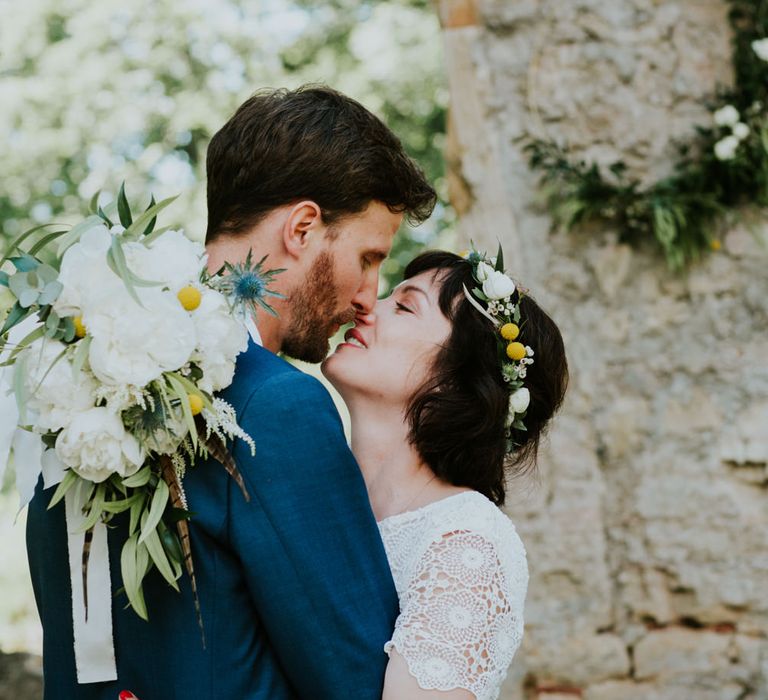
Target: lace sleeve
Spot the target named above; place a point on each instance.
(461, 618)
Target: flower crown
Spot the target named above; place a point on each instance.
(502, 297)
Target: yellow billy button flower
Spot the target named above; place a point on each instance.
(195, 403)
(516, 351)
(79, 326)
(190, 297)
(509, 331)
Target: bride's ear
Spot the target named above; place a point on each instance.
(302, 227)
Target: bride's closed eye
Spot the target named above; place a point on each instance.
(402, 307)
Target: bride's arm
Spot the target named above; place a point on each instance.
(399, 684)
(461, 618)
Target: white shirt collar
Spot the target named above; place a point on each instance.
(253, 331)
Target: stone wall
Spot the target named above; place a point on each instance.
(647, 529)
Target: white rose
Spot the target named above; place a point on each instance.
(726, 116)
(135, 345)
(172, 259)
(483, 271)
(220, 338)
(55, 395)
(760, 47)
(96, 445)
(84, 273)
(725, 148)
(519, 401)
(740, 130)
(498, 286)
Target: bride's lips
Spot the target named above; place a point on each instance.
(354, 334)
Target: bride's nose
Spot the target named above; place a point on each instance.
(366, 319)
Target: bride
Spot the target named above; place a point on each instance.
(450, 384)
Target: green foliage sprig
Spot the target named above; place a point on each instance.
(721, 167)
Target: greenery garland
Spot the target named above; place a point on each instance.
(723, 166)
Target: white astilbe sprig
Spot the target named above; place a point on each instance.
(122, 396)
(180, 467)
(222, 422)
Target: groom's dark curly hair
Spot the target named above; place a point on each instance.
(311, 143)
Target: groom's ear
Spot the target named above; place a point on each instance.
(303, 226)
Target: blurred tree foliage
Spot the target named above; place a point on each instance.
(96, 93)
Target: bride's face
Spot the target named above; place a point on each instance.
(388, 357)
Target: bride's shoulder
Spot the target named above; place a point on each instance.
(469, 521)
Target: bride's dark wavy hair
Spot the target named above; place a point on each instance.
(457, 417)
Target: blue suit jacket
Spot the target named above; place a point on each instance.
(296, 593)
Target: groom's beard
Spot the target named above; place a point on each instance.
(314, 314)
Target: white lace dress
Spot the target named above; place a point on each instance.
(461, 576)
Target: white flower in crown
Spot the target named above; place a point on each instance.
(519, 401)
(760, 47)
(725, 148)
(740, 131)
(726, 116)
(96, 445)
(498, 286)
(484, 270)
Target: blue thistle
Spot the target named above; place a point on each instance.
(247, 285)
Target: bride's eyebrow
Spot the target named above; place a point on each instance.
(413, 288)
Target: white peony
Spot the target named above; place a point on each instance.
(726, 116)
(84, 273)
(740, 131)
(172, 259)
(55, 394)
(483, 271)
(96, 445)
(498, 286)
(519, 401)
(134, 344)
(220, 338)
(725, 148)
(760, 47)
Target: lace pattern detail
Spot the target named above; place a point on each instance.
(461, 575)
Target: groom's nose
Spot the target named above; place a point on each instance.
(365, 298)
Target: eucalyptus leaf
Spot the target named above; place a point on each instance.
(156, 551)
(129, 565)
(24, 263)
(80, 356)
(45, 240)
(4, 277)
(136, 509)
(96, 509)
(76, 232)
(141, 223)
(16, 315)
(64, 485)
(180, 392)
(140, 478)
(123, 209)
(122, 504)
(14, 246)
(156, 508)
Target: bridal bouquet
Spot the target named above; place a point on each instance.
(126, 337)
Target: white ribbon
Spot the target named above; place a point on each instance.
(93, 641)
(94, 644)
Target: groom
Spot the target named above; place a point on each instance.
(296, 595)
